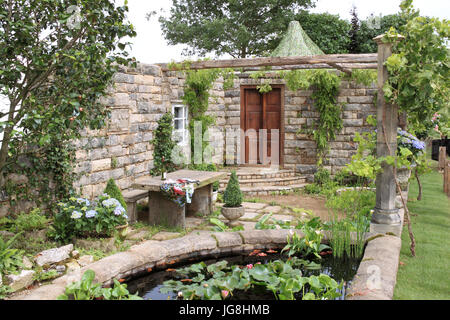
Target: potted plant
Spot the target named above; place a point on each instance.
(233, 209)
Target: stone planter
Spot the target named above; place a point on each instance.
(233, 214)
(403, 176)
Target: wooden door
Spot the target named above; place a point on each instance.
(260, 111)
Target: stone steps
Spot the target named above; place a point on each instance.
(269, 190)
(265, 181)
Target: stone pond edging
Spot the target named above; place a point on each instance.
(143, 258)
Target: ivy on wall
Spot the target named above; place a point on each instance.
(326, 87)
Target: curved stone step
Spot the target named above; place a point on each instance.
(267, 182)
(268, 190)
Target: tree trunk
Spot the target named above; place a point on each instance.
(419, 197)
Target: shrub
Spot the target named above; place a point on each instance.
(10, 259)
(233, 195)
(30, 221)
(322, 176)
(114, 192)
(80, 217)
(163, 146)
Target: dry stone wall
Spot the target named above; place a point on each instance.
(141, 95)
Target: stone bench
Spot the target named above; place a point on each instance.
(131, 197)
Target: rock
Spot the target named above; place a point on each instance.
(20, 281)
(72, 266)
(106, 245)
(162, 236)
(272, 209)
(85, 260)
(60, 269)
(254, 206)
(27, 264)
(75, 254)
(6, 234)
(138, 236)
(53, 256)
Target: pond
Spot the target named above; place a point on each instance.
(341, 269)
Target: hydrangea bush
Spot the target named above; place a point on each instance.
(410, 142)
(80, 217)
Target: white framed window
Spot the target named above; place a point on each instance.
(180, 123)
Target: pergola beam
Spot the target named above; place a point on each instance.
(329, 59)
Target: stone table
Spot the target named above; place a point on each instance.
(163, 211)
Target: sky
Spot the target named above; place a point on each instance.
(149, 46)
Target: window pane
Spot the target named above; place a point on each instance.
(178, 112)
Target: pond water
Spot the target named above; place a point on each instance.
(341, 269)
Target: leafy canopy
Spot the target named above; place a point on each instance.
(240, 28)
(57, 59)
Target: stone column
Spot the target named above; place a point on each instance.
(386, 216)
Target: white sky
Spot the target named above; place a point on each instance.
(149, 46)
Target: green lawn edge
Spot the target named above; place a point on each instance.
(426, 276)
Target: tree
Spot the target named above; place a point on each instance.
(374, 26)
(354, 30)
(56, 61)
(240, 28)
(328, 31)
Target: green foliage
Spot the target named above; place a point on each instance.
(4, 291)
(10, 258)
(326, 30)
(284, 279)
(86, 289)
(238, 28)
(42, 276)
(419, 81)
(356, 205)
(34, 220)
(322, 176)
(114, 192)
(79, 217)
(54, 91)
(163, 146)
(232, 196)
(309, 244)
(364, 77)
(219, 226)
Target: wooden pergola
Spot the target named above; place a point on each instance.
(386, 216)
(342, 62)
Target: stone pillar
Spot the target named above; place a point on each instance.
(386, 216)
(164, 212)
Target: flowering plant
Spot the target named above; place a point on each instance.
(441, 125)
(406, 140)
(97, 218)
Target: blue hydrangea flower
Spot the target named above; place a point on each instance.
(83, 201)
(119, 211)
(111, 203)
(76, 215)
(418, 144)
(91, 214)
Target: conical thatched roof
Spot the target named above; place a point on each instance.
(296, 43)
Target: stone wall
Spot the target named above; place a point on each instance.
(299, 149)
(141, 95)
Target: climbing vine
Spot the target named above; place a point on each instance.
(197, 95)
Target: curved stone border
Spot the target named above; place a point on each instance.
(143, 258)
(377, 274)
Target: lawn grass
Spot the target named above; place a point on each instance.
(426, 277)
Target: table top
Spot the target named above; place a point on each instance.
(204, 177)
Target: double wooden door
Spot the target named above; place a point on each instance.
(260, 116)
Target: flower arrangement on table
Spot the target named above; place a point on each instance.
(81, 217)
(179, 191)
